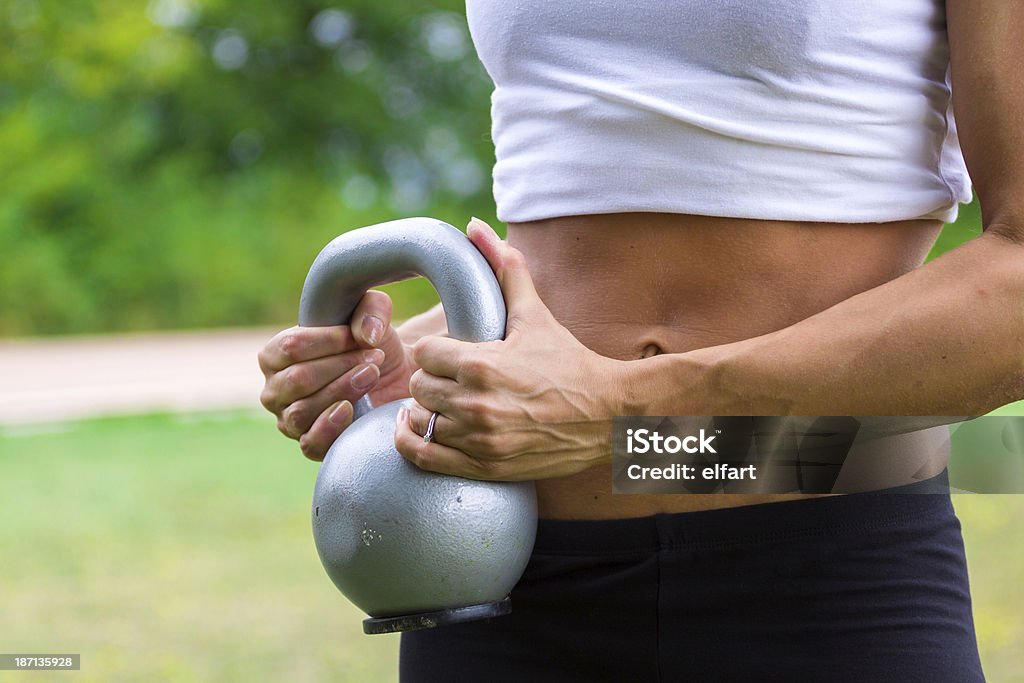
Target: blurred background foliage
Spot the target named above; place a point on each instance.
(178, 163)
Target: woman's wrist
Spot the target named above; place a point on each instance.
(669, 384)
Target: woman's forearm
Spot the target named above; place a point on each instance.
(944, 339)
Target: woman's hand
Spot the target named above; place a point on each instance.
(315, 374)
(536, 405)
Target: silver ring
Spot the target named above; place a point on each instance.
(429, 435)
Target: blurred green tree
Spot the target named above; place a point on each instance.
(179, 163)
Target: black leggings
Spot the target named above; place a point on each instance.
(866, 587)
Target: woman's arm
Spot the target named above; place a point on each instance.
(944, 339)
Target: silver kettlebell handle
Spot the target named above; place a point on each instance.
(399, 250)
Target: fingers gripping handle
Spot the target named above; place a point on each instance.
(398, 250)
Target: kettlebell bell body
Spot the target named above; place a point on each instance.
(413, 549)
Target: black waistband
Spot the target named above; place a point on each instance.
(813, 517)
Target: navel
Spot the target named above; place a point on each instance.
(651, 350)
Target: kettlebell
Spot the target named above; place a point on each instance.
(413, 549)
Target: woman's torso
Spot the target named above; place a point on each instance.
(633, 285)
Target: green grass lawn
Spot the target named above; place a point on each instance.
(179, 549)
(172, 549)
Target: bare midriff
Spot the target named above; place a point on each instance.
(630, 286)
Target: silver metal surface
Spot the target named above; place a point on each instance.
(394, 539)
(399, 250)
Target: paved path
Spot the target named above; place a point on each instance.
(54, 380)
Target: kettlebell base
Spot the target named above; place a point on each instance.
(444, 617)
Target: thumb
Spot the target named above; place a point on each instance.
(371, 328)
(509, 267)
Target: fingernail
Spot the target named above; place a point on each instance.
(365, 377)
(375, 357)
(340, 414)
(373, 329)
(483, 226)
(401, 417)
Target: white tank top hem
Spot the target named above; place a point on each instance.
(794, 110)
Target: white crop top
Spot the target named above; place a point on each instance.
(802, 110)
